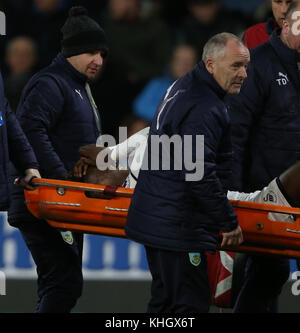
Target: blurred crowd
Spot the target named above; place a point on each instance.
(152, 43)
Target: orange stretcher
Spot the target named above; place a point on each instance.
(99, 209)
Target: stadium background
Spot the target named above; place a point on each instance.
(115, 270)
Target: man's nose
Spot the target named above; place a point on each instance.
(243, 73)
(284, 8)
(98, 59)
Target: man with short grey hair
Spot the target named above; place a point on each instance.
(232, 80)
(176, 217)
(215, 47)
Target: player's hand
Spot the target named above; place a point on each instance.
(90, 152)
(81, 167)
(232, 238)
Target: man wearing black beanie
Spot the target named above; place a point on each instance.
(81, 34)
(58, 115)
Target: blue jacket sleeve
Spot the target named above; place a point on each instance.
(20, 152)
(244, 110)
(38, 114)
(209, 192)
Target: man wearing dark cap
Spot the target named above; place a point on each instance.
(58, 115)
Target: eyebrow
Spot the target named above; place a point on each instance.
(239, 63)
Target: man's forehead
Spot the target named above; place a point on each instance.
(236, 49)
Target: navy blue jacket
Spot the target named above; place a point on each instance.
(13, 146)
(266, 116)
(57, 117)
(166, 210)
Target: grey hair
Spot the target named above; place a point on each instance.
(215, 46)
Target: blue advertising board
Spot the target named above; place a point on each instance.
(103, 257)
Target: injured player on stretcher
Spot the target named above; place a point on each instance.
(281, 191)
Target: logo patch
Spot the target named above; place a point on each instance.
(195, 258)
(270, 197)
(1, 119)
(79, 93)
(283, 79)
(67, 237)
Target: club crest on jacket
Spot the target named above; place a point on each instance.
(67, 237)
(195, 258)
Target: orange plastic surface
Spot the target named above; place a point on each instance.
(65, 205)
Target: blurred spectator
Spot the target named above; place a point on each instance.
(139, 47)
(247, 7)
(42, 21)
(172, 12)
(184, 58)
(207, 18)
(21, 58)
(139, 50)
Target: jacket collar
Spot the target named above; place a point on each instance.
(61, 61)
(286, 55)
(203, 75)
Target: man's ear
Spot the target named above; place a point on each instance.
(210, 65)
(285, 27)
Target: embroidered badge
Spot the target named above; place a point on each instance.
(67, 237)
(195, 258)
(282, 79)
(270, 197)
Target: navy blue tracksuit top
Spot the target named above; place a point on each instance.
(57, 118)
(166, 210)
(265, 116)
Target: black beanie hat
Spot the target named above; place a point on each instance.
(81, 34)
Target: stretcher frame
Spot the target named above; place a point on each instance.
(73, 206)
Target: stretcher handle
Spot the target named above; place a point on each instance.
(79, 186)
